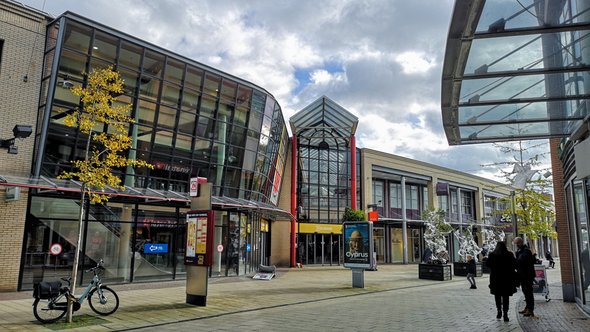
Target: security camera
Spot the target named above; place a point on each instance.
(22, 131)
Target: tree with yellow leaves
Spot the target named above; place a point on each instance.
(107, 153)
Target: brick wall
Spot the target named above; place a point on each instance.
(23, 33)
(563, 234)
(12, 226)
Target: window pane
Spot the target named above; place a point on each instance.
(174, 71)
(238, 136)
(240, 116)
(170, 94)
(163, 142)
(144, 138)
(149, 88)
(77, 37)
(193, 78)
(205, 127)
(225, 112)
(184, 142)
(228, 91)
(211, 87)
(72, 64)
(190, 100)
(105, 47)
(130, 79)
(130, 55)
(186, 123)
(153, 64)
(244, 97)
(146, 113)
(207, 107)
(166, 117)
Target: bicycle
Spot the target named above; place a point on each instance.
(51, 302)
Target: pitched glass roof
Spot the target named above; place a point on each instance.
(515, 70)
(324, 121)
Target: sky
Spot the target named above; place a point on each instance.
(381, 60)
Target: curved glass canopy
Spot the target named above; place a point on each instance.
(516, 70)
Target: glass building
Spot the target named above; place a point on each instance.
(191, 121)
(517, 70)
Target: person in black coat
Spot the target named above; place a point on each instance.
(526, 274)
(503, 277)
(550, 259)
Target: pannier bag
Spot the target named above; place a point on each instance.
(46, 289)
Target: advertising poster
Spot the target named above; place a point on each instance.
(191, 236)
(358, 244)
(199, 238)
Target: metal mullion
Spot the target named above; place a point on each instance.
(530, 31)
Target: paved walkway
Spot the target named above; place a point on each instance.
(316, 299)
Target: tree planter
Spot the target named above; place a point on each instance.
(460, 269)
(440, 272)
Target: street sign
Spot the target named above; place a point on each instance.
(155, 248)
(194, 186)
(219, 247)
(55, 249)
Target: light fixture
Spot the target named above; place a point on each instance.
(19, 131)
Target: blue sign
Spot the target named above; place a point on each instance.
(155, 248)
(248, 249)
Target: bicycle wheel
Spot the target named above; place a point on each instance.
(105, 302)
(47, 311)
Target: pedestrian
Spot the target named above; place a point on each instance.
(526, 274)
(550, 259)
(471, 269)
(503, 278)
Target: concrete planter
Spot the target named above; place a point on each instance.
(440, 272)
(460, 269)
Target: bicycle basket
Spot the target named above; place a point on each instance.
(46, 289)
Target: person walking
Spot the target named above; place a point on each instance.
(550, 259)
(471, 269)
(503, 278)
(526, 274)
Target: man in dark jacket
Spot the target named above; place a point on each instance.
(526, 273)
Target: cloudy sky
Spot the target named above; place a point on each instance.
(379, 59)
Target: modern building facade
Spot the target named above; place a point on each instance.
(191, 121)
(517, 70)
(275, 197)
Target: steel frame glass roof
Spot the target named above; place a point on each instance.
(142, 195)
(324, 121)
(515, 70)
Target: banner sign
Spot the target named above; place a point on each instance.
(358, 244)
(199, 238)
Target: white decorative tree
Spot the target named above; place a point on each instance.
(437, 229)
(467, 244)
(491, 238)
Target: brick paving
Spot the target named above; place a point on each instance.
(316, 299)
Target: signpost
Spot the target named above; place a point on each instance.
(358, 247)
(55, 249)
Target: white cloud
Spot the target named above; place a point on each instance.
(415, 62)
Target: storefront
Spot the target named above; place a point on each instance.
(319, 243)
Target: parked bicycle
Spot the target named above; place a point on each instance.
(51, 302)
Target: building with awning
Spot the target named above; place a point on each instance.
(519, 70)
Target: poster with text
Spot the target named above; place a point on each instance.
(358, 244)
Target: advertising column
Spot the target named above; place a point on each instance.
(358, 247)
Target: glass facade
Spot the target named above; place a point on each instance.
(191, 121)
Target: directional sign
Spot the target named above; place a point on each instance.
(155, 248)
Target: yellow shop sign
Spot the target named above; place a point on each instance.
(307, 228)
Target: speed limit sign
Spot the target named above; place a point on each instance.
(55, 249)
